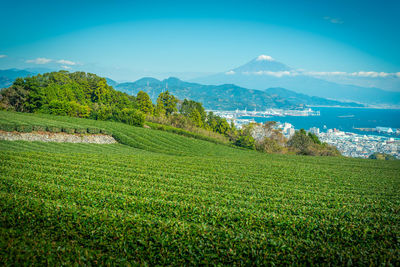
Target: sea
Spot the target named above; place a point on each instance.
(343, 119)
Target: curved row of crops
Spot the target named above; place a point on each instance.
(125, 204)
(146, 139)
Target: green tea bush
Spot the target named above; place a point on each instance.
(130, 116)
(167, 128)
(103, 131)
(54, 129)
(24, 128)
(39, 128)
(81, 130)
(93, 130)
(68, 130)
(7, 127)
(89, 204)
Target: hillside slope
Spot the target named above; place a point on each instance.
(164, 199)
(225, 96)
(136, 137)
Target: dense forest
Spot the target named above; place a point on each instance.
(87, 95)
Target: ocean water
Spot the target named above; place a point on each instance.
(344, 119)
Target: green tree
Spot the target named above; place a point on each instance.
(85, 89)
(269, 145)
(245, 141)
(144, 103)
(57, 107)
(130, 116)
(195, 111)
(167, 103)
(159, 110)
(314, 138)
(15, 97)
(211, 121)
(300, 142)
(195, 117)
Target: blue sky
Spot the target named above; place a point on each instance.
(129, 39)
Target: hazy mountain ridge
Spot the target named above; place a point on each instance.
(226, 96)
(310, 100)
(268, 73)
(7, 77)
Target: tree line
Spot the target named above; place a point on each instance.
(87, 95)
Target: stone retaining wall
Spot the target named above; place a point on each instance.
(58, 137)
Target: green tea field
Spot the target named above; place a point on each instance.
(158, 198)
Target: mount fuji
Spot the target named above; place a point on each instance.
(265, 72)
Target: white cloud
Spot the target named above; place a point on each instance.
(333, 20)
(264, 57)
(372, 74)
(369, 74)
(66, 67)
(3, 56)
(325, 73)
(275, 73)
(42, 60)
(66, 62)
(231, 72)
(39, 60)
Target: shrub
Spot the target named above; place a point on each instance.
(314, 138)
(382, 156)
(246, 142)
(300, 143)
(269, 145)
(304, 144)
(102, 131)
(54, 129)
(93, 130)
(39, 128)
(7, 127)
(57, 107)
(130, 116)
(24, 128)
(81, 130)
(68, 130)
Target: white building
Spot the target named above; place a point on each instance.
(384, 129)
(290, 132)
(314, 130)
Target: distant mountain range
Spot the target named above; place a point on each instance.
(7, 77)
(226, 96)
(264, 72)
(217, 97)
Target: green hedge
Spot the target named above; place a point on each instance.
(7, 127)
(102, 131)
(24, 128)
(54, 129)
(93, 130)
(39, 128)
(81, 130)
(167, 128)
(68, 130)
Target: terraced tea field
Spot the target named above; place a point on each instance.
(142, 138)
(160, 198)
